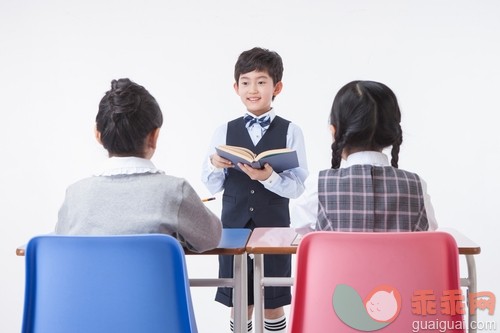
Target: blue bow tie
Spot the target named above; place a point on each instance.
(264, 122)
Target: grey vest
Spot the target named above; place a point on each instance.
(245, 199)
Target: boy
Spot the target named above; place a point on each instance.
(257, 197)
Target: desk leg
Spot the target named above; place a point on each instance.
(240, 293)
(472, 288)
(258, 291)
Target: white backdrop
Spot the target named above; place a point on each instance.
(58, 57)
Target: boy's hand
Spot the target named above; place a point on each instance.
(257, 174)
(220, 162)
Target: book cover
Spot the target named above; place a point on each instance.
(280, 159)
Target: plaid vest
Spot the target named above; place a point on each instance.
(370, 198)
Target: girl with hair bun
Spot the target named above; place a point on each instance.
(130, 195)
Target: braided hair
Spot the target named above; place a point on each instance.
(366, 116)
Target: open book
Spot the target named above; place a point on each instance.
(280, 159)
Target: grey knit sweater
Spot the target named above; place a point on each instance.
(137, 204)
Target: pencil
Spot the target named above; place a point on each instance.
(208, 199)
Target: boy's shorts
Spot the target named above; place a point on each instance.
(275, 265)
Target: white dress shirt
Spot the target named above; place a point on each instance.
(288, 184)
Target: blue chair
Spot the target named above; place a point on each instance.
(93, 284)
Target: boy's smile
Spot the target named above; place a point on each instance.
(256, 90)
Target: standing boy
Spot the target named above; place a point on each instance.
(257, 197)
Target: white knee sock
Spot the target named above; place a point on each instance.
(249, 325)
(277, 325)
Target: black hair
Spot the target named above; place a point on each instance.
(366, 116)
(127, 114)
(259, 59)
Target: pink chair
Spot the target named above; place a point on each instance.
(383, 282)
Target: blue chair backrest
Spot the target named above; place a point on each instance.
(91, 284)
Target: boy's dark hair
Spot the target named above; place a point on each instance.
(127, 114)
(365, 115)
(261, 60)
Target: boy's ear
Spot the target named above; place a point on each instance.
(97, 135)
(236, 88)
(277, 88)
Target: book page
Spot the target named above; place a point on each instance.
(244, 153)
(272, 152)
(280, 159)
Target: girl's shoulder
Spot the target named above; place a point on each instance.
(359, 169)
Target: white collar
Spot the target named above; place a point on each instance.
(127, 166)
(269, 113)
(366, 157)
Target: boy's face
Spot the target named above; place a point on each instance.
(256, 90)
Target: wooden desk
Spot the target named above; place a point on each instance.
(280, 240)
(469, 249)
(233, 242)
(268, 241)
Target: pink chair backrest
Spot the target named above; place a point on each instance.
(383, 282)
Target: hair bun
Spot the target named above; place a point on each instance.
(123, 98)
(120, 85)
(127, 114)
